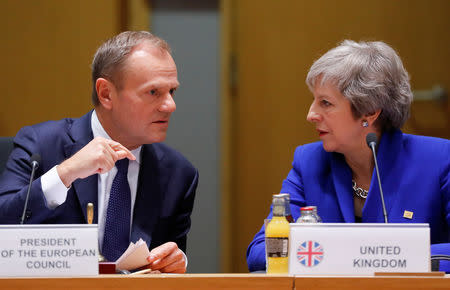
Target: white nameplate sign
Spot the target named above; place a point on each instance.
(48, 250)
(358, 249)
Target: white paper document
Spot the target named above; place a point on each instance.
(134, 257)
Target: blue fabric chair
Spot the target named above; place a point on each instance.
(440, 258)
(6, 146)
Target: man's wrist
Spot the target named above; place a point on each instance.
(64, 174)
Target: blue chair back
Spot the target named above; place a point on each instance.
(6, 146)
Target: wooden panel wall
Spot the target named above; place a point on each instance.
(275, 43)
(47, 48)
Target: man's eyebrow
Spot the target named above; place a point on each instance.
(158, 85)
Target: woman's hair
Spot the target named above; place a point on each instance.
(110, 56)
(371, 76)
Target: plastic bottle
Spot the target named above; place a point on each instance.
(319, 219)
(309, 215)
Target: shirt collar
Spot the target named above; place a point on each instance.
(99, 131)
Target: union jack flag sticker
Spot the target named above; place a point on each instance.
(310, 253)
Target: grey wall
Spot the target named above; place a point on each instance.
(192, 30)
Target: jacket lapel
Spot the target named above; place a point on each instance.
(149, 195)
(86, 189)
(387, 155)
(342, 178)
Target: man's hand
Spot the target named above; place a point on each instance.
(167, 258)
(98, 156)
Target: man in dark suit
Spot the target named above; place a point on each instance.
(134, 80)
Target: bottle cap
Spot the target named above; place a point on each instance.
(307, 208)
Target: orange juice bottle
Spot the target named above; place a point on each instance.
(277, 239)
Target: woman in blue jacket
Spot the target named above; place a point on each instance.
(362, 88)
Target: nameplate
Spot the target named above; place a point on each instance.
(358, 249)
(48, 250)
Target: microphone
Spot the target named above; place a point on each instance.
(34, 162)
(371, 140)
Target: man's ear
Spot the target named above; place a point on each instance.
(105, 89)
(372, 117)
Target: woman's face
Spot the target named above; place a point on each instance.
(331, 112)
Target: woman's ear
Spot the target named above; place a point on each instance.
(105, 89)
(372, 117)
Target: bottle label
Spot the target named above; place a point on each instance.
(277, 247)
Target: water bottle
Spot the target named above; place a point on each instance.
(319, 219)
(309, 215)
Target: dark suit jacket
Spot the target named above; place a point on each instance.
(415, 176)
(165, 193)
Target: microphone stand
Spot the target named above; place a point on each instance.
(34, 166)
(372, 146)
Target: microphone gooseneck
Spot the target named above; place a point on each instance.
(372, 141)
(35, 159)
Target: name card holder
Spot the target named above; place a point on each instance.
(358, 249)
(48, 250)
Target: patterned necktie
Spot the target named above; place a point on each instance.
(117, 226)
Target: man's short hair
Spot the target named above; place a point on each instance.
(110, 57)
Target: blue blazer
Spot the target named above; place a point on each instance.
(165, 193)
(414, 172)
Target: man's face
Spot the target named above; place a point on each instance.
(143, 103)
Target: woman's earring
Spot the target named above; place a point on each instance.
(365, 124)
